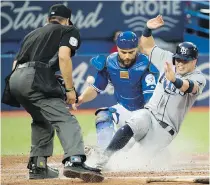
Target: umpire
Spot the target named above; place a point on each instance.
(43, 52)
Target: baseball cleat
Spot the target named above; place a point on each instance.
(82, 171)
(43, 173)
(103, 160)
(38, 169)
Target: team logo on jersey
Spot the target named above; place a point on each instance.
(73, 41)
(150, 80)
(169, 87)
(124, 74)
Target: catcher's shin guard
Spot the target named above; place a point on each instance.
(38, 169)
(105, 126)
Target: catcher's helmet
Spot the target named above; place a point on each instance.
(186, 51)
(127, 40)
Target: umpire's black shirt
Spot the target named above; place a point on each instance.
(42, 44)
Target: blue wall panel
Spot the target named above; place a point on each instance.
(82, 69)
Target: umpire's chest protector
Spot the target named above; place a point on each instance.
(127, 82)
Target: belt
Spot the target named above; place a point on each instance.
(33, 64)
(163, 124)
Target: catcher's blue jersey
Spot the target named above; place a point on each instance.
(134, 86)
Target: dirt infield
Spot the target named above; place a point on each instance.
(13, 171)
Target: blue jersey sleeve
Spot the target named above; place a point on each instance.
(101, 81)
(149, 81)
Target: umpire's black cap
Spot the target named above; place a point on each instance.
(60, 10)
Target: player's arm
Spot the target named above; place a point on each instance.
(156, 55)
(192, 85)
(96, 85)
(147, 42)
(89, 94)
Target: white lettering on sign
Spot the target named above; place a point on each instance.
(31, 17)
(139, 9)
(151, 8)
(91, 20)
(24, 17)
(79, 74)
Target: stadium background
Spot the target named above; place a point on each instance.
(97, 21)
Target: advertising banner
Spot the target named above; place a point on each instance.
(95, 19)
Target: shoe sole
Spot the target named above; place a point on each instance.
(38, 176)
(85, 176)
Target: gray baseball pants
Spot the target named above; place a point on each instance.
(151, 136)
(48, 114)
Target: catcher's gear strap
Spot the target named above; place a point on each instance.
(99, 62)
(191, 86)
(106, 114)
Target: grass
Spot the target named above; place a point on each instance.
(15, 134)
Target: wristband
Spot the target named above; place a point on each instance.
(147, 32)
(178, 83)
(69, 89)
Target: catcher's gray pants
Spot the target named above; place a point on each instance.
(47, 114)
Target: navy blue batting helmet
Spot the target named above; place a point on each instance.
(186, 51)
(127, 40)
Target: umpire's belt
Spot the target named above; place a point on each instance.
(163, 124)
(33, 64)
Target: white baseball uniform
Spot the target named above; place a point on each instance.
(165, 111)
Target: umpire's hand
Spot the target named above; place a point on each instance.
(71, 97)
(80, 101)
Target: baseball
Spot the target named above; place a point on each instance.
(90, 80)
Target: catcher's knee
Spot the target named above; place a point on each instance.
(105, 126)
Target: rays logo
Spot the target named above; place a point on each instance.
(183, 50)
(138, 10)
(169, 86)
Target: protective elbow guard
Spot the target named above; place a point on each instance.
(191, 86)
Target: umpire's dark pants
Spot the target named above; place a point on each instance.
(47, 114)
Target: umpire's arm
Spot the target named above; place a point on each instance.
(65, 64)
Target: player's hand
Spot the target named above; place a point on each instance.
(70, 97)
(155, 23)
(80, 101)
(170, 75)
